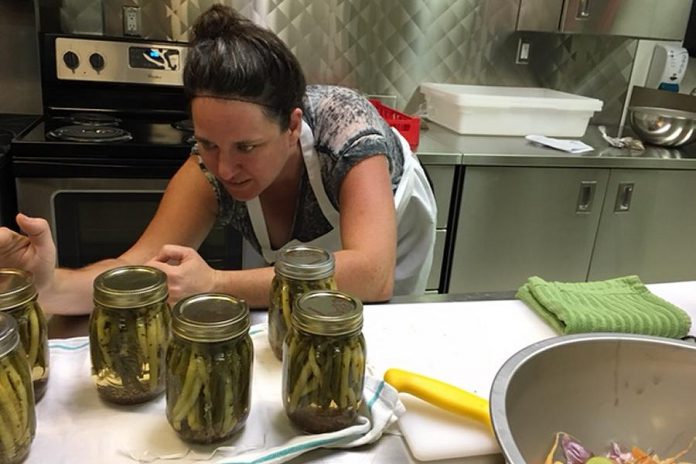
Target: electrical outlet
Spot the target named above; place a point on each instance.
(523, 49)
(131, 20)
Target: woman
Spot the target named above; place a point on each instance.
(284, 163)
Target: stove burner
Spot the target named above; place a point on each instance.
(185, 125)
(90, 134)
(94, 119)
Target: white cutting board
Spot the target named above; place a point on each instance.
(464, 344)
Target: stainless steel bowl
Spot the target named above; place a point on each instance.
(634, 389)
(663, 126)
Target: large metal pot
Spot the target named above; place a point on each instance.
(633, 389)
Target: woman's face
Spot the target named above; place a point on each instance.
(241, 146)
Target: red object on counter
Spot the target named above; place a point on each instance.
(408, 126)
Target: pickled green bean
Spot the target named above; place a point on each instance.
(323, 381)
(127, 347)
(208, 388)
(33, 350)
(17, 419)
(10, 408)
(283, 293)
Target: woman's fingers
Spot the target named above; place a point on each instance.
(172, 254)
(11, 241)
(15, 248)
(187, 273)
(33, 227)
(37, 229)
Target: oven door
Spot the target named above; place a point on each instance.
(93, 219)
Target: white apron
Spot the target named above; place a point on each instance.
(415, 217)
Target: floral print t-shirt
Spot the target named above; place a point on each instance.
(347, 129)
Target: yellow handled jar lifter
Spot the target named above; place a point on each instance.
(440, 394)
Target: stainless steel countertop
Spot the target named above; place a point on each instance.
(439, 145)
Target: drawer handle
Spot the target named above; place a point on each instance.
(586, 196)
(623, 197)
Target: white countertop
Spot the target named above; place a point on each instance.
(460, 342)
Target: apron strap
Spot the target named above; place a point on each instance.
(313, 167)
(314, 173)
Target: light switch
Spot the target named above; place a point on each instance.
(523, 48)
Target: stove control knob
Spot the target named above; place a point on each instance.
(97, 61)
(71, 60)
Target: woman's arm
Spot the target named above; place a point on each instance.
(365, 265)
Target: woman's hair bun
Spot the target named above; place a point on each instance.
(218, 21)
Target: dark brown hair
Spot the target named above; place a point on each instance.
(231, 57)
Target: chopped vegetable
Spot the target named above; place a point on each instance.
(567, 449)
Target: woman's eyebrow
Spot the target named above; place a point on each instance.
(257, 141)
(202, 139)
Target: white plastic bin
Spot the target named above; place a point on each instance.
(498, 110)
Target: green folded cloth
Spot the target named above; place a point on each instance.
(616, 305)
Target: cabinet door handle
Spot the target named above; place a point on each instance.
(585, 196)
(623, 197)
(583, 9)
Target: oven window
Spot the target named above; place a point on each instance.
(91, 226)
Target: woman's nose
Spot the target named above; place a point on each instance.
(227, 165)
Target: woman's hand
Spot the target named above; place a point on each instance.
(34, 252)
(187, 273)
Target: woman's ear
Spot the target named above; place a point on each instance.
(295, 126)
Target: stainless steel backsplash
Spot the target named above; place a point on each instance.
(391, 46)
(20, 85)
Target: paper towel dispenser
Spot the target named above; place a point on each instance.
(646, 19)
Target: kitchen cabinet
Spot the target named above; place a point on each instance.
(515, 222)
(648, 226)
(573, 224)
(442, 180)
(648, 19)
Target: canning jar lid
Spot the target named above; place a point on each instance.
(16, 288)
(305, 263)
(210, 317)
(327, 312)
(130, 287)
(9, 337)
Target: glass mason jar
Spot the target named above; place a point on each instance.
(19, 299)
(128, 333)
(324, 362)
(298, 269)
(209, 367)
(17, 414)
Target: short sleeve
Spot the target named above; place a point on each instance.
(348, 129)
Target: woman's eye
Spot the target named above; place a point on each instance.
(207, 146)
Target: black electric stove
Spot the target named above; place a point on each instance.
(77, 143)
(115, 129)
(11, 125)
(113, 108)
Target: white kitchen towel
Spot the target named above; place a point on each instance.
(75, 426)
